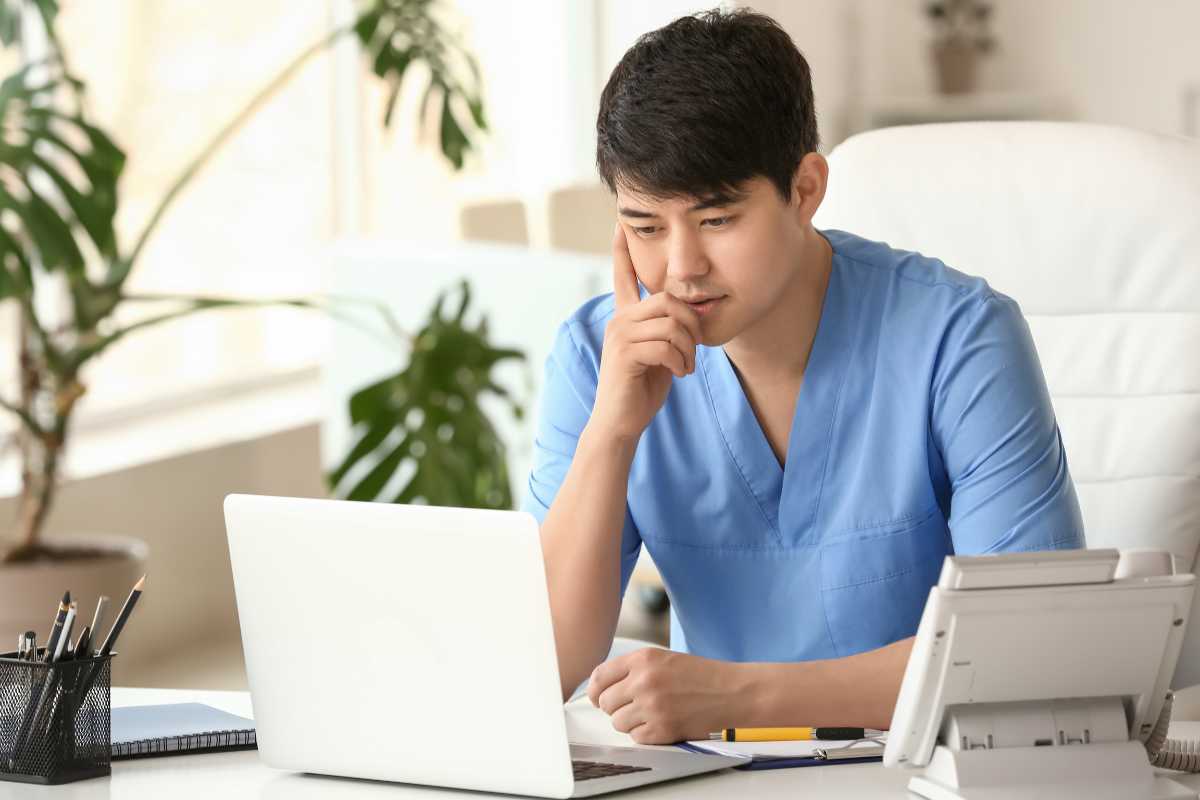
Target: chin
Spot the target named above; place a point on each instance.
(715, 336)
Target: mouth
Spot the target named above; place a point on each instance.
(704, 305)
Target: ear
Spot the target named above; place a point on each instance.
(808, 185)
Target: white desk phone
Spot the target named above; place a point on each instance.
(1046, 675)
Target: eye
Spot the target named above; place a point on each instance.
(645, 231)
(718, 222)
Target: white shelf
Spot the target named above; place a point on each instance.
(890, 110)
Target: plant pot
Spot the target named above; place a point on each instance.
(956, 62)
(30, 592)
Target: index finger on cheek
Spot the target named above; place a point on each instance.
(625, 282)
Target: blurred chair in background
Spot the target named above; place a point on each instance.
(502, 221)
(1093, 230)
(578, 219)
(582, 218)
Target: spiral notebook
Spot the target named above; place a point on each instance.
(175, 728)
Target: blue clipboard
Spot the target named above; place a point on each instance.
(785, 762)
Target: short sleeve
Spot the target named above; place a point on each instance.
(993, 424)
(568, 394)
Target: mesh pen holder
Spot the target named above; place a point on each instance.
(55, 719)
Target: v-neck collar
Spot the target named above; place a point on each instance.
(812, 422)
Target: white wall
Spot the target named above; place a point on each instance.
(545, 63)
(1119, 62)
(1113, 61)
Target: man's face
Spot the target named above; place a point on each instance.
(729, 257)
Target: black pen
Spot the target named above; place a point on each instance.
(65, 638)
(34, 709)
(56, 630)
(82, 644)
(70, 653)
(44, 719)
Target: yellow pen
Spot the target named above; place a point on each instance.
(791, 734)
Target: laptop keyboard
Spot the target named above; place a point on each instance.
(585, 770)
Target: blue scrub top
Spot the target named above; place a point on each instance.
(923, 428)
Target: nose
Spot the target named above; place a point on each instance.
(686, 259)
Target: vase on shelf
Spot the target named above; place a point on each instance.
(956, 64)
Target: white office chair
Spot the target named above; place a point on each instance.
(1095, 231)
(502, 221)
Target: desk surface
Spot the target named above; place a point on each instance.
(235, 775)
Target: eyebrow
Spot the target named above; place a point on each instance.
(715, 200)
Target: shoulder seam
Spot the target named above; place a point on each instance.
(959, 290)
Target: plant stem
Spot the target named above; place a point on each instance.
(30, 322)
(37, 492)
(385, 313)
(21, 414)
(40, 450)
(122, 267)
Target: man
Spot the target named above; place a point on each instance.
(799, 425)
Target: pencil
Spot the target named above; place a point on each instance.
(791, 734)
(122, 617)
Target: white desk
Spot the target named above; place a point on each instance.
(235, 775)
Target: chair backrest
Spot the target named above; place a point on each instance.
(1095, 231)
(581, 218)
(502, 221)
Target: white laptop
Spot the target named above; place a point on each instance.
(414, 644)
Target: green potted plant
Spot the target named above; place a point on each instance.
(59, 181)
(427, 421)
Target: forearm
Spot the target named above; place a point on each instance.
(581, 545)
(858, 690)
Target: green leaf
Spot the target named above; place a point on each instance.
(395, 34)
(476, 106)
(10, 23)
(92, 214)
(465, 288)
(61, 183)
(454, 141)
(458, 458)
(58, 241)
(365, 403)
(10, 17)
(366, 25)
(21, 280)
(370, 486)
(372, 438)
(390, 106)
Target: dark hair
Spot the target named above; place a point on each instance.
(709, 101)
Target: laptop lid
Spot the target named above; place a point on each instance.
(400, 643)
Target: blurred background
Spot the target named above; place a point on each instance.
(314, 196)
